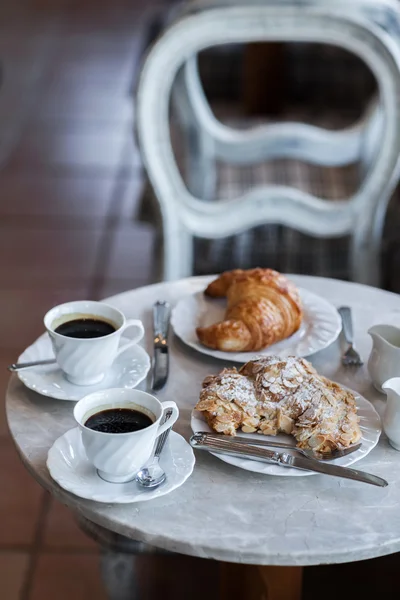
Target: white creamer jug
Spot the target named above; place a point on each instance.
(384, 360)
(391, 417)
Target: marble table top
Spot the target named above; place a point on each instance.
(223, 512)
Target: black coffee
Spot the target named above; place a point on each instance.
(118, 420)
(85, 328)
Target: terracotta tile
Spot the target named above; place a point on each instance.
(62, 531)
(6, 358)
(95, 44)
(85, 100)
(127, 198)
(22, 52)
(70, 76)
(82, 126)
(91, 19)
(77, 577)
(14, 99)
(23, 310)
(157, 578)
(131, 255)
(38, 200)
(13, 567)
(9, 137)
(20, 498)
(67, 151)
(93, 52)
(131, 159)
(67, 577)
(110, 51)
(94, 71)
(125, 204)
(35, 256)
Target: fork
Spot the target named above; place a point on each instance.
(350, 358)
(338, 453)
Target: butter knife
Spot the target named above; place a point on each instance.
(161, 317)
(230, 447)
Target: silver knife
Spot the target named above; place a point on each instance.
(230, 447)
(161, 316)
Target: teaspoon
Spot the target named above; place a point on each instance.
(152, 475)
(27, 365)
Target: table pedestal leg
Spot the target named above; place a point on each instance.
(118, 574)
(259, 583)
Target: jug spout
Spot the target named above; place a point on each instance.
(391, 416)
(393, 387)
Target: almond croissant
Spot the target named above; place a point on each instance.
(270, 395)
(263, 308)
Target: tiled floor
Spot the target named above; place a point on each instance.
(70, 180)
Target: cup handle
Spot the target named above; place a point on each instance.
(131, 323)
(173, 418)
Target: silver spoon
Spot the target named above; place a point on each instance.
(27, 365)
(152, 475)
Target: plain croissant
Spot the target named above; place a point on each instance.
(263, 308)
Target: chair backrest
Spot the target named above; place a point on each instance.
(356, 30)
(354, 144)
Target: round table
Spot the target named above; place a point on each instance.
(223, 512)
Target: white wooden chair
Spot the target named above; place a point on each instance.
(368, 29)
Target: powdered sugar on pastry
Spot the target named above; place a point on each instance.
(271, 395)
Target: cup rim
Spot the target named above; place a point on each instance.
(119, 434)
(103, 337)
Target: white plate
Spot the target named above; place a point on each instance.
(128, 370)
(370, 425)
(69, 467)
(320, 327)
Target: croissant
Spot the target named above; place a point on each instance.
(264, 307)
(271, 395)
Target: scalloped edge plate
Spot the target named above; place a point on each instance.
(370, 425)
(320, 327)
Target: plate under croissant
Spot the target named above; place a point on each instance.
(370, 425)
(320, 327)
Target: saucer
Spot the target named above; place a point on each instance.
(70, 468)
(127, 371)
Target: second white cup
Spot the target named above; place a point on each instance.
(85, 361)
(119, 456)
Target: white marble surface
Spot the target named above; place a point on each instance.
(223, 512)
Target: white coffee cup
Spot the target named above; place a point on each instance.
(119, 456)
(85, 361)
